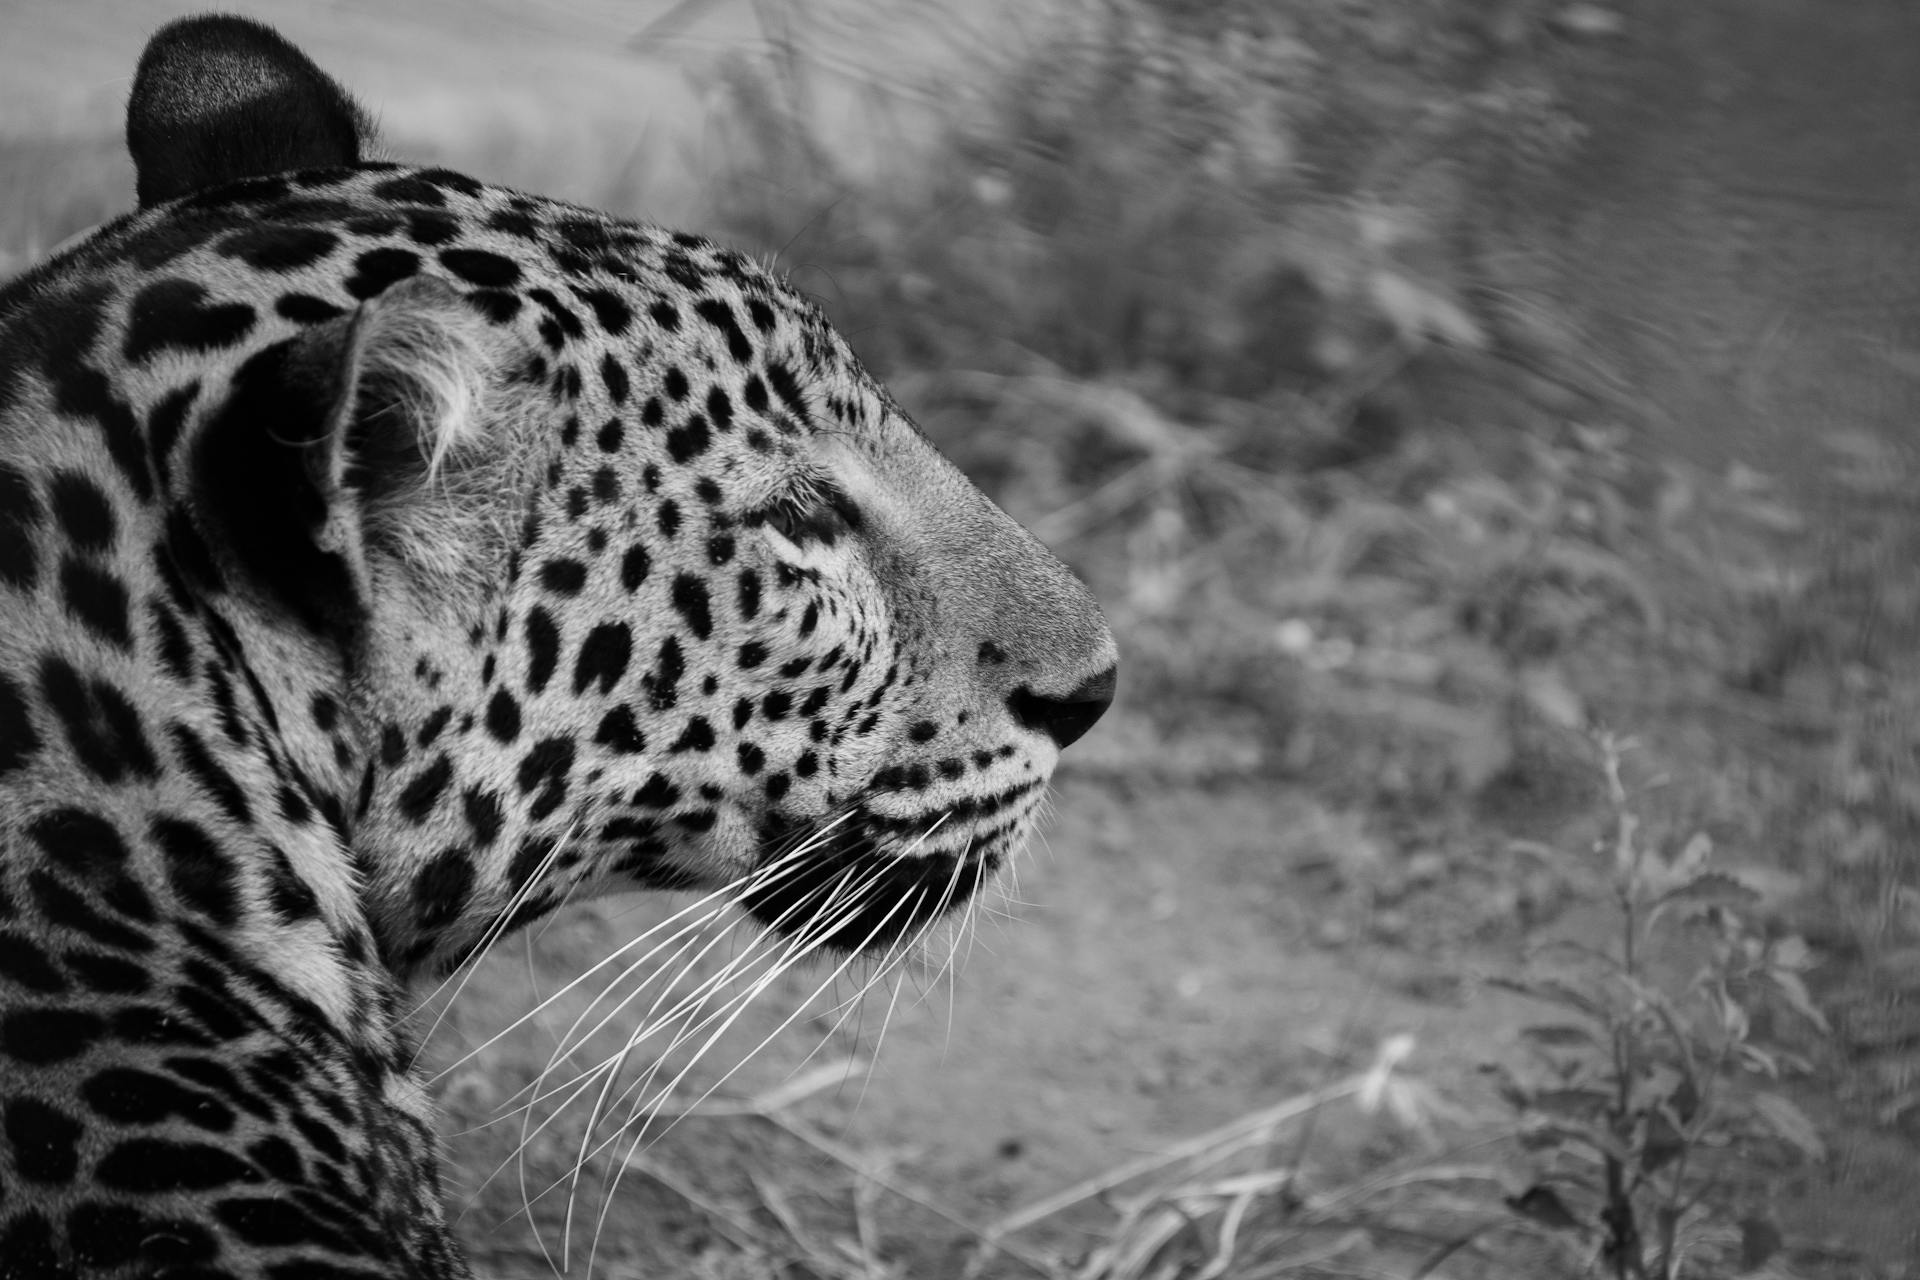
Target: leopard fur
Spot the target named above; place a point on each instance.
(385, 559)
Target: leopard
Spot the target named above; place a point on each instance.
(387, 559)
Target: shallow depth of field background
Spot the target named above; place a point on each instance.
(1488, 427)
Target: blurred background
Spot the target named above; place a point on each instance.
(1487, 423)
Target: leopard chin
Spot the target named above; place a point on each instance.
(845, 887)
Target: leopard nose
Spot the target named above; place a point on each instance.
(1067, 717)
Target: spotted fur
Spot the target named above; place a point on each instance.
(385, 559)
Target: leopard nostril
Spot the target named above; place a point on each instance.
(1067, 718)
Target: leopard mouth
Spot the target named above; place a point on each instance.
(847, 886)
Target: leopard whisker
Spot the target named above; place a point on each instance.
(713, 903)
(667, 1091)
(496, 928)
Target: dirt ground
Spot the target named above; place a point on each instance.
(1740, 239)
(1191, 942)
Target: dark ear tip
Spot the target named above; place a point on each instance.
(219, 28)
(219, 97)
(191, 61)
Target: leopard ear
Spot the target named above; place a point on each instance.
(218, 98)
(363, 437)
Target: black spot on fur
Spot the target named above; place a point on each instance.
(25, 965)
(87, 393)
(20, 515)
(45, 1141)
(603, 657)
(26, 1243)
(563, 577)
(691, 603)
(275, 247)
(98, 599)
(108, 975)
(619, 734)
(613, 314)
(209, 773)
(720, 316)
(160, 1166)
(689, 440)
(696, 736)
(441, 890)
(567, 323)
(433, 726)
(484, 816)
(480, 267)
(130, 1096)
(514, 222)
(82, 511)
(748, 596)
(36, 1037)
(173, 315)
(83, 845)
(495, 304)
(377, 269)
(656, 793)
(431, 229)
(528, 859)
(787, 388)
(418, 798)
(544, 768)
(409, 189)
(291, 897)
(101, 725)
(543, 648)
(606, 486)
(304, 308)
(634, 566)
(663, 682)
(614, 375)
(175, 652)
(164, 424)
(19, 740)
(110, 1237)
(450, 180)
(503, 716)
(377, 225)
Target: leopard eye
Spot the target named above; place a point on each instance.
(823, 515)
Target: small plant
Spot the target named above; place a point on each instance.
(1659, 1068)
